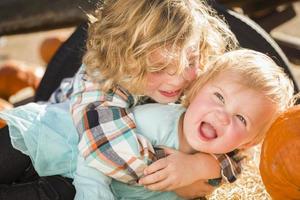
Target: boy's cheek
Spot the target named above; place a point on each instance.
(190, 74)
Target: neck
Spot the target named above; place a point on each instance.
(184, 146)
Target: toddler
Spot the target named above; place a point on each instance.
(231, 106)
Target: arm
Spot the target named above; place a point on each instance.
(230, 165)
(106, 127)
(179, 169)
(198, 189)
(187, 178)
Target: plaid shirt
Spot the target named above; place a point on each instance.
(230, 164)
(106, 126)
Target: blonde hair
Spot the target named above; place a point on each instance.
(259, 72)
(125, 32)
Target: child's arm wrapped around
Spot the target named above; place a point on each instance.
(108, 139)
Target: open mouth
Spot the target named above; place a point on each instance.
(207, 131)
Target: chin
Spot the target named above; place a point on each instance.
(204, 148)
(165, 100)
(196, 147)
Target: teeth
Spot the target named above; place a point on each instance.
(170, 92)
(173, 92)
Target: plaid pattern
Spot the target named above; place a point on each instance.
(106, 126)
(230, 164)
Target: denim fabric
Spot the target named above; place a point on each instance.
(18, 179)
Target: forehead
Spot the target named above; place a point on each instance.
(168, 54)
(162, 55)
(226, 75)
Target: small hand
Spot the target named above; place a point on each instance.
(169, 173)
(198, 189)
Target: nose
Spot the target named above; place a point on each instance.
(223, 117)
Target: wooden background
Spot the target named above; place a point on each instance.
(22, 16)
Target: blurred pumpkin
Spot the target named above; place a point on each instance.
(4, 105)
(280, 157)
(49, 46)
(15, 75)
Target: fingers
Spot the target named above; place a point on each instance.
(156, 166)
(154, 180)
(160, 186)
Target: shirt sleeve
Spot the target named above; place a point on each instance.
(109, 141)
(230, 164)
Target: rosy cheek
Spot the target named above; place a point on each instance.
(152, 80)
(238, 134)
(190, 74)
(151, 77)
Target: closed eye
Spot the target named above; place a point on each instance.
(220, 97)
(242, 119)
(171, 71)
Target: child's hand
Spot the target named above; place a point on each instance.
(176, 170)
(198, 189)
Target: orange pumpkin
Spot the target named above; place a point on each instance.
(280, 157)
(49, 46)
(4, 105)
(15, 76)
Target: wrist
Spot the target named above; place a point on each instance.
(206, 166)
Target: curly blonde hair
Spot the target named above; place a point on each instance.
(125, 32)
(259, 72)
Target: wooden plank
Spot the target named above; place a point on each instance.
(21, 16)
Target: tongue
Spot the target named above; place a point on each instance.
(208, 131)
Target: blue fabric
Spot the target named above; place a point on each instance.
(90, 183)
(159, 124)
(46, 134)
